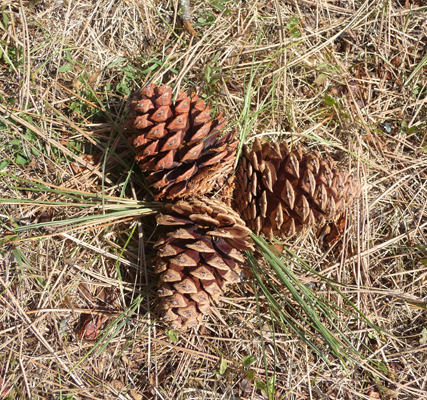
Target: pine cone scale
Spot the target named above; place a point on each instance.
(196, 265)
(179, 136)
(280, 192)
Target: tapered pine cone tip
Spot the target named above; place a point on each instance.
(280, 191)
(198, 257)
(178, 145)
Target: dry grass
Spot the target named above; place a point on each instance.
(343, 77)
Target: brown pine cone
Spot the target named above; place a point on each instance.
(279, 191)
(178, 144)
(198, 258)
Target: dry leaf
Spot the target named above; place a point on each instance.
(160, 378)
(45, 216)
(76, 84)
(64, 138)
(373, 395)
(92, 79)
(85, 291)
(90, 326)
(75, 167)
(6, 389)
(118, 385)
(245, 385)
(135, 395)
(321, 79)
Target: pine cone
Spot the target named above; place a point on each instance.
(199, 258)
(279, 192)
(178, 145)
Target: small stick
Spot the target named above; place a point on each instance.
(186, 10)
(186, 16)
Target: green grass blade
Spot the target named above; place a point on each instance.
(79, 221)
(309, 309)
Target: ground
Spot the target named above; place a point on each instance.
(341, 320)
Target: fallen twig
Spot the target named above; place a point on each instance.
(186, 16)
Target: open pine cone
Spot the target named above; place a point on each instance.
(279, 191)
(198, 258)
(178, 145)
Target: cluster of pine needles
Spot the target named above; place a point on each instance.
(338, 320)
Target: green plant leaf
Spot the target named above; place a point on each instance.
(65, 68)
(292, 25)
(222, 367)
(20, 160)
(219, 6)
(6, 21)
(35, 151)
(123, 89)
(248, 360)
(292, 22)
(423, 339)
(4, 164)
(171, 334)
(261, 385)
(329, 101)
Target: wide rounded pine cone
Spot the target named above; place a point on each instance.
(198, 257)
(177, 143)
(280, 192)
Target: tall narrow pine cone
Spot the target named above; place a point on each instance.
(178, 144)
(198, 258)
(279, 191)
